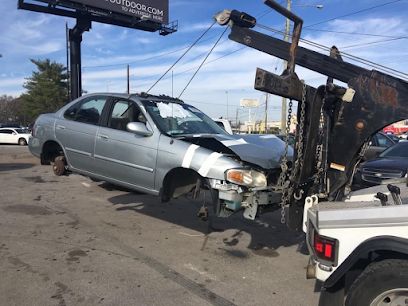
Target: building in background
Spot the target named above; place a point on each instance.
(397, 128)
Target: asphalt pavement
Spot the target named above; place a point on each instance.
(71, 241)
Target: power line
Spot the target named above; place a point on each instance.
(353, 13)
(344, 54)
(358, 59)
(371, 43)
(163, 54)
(202, 63)
(244, 47)
(355, 33)
(306, 41)
(192, 45)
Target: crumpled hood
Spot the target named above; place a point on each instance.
(265, 151)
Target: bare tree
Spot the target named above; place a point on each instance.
(11, 110)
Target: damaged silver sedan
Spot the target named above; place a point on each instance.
(161, 146)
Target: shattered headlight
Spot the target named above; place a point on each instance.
(250, 178)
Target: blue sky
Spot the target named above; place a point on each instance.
(106, 50)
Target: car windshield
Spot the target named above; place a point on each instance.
(21, 131)
(399, 150)
(176, 119)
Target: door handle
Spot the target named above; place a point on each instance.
(60, 127)
(104, 137)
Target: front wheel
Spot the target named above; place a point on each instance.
(22, 142)
(381, 283)
(59, 166)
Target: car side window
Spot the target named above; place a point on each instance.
(6, 131)
(87, 111)
(384, 141)
(123, 112)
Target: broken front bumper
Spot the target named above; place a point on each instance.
(232, 198)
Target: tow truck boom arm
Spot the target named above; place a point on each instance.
(379, 100)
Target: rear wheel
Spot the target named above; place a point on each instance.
(381, 283)
(22, 142)
(59, 166)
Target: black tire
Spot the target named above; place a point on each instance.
(22, 142)
(376, 280)
(59, 166)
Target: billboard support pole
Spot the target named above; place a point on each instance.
(107, 12)
(75, 39)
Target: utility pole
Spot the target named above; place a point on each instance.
(68, 64)
(266, 113)
(285, 66)
(128, 79)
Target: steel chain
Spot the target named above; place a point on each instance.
(319, 150)
(284, 180)
(283, 183)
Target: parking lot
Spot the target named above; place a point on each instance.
(71, 241)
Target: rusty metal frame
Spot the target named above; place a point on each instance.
(297, 30)
(379, 100)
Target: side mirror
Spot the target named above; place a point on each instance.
(14, 133)
(138, 128)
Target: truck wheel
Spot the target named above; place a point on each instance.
(22, 142)
(59, 166)
(381, 283)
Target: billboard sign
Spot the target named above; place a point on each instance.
(154, 10)
(249, 103)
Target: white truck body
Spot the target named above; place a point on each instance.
(354, 224)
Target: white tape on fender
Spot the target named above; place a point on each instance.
(209, 162)
(189, 156)
(234, 142)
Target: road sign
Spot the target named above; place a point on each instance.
(249, 102)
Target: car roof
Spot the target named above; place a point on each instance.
(136, 96)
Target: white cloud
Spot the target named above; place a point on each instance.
(10, 82)
(26, 35)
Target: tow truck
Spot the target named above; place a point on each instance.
(358, 241)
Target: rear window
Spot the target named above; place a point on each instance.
(86, 111)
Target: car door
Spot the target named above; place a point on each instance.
(6, 136)
(76, 131)
(124, 156)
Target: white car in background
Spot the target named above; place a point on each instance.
(225, 124)
(14, 136)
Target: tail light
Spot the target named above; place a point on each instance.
(325, 248)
